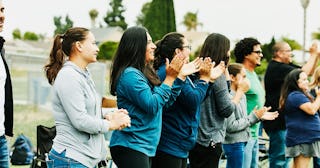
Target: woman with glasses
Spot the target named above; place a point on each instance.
(180, 119)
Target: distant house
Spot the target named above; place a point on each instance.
(195, 39)
(107, 34)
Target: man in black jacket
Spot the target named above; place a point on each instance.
(280, 65)
(6, 101)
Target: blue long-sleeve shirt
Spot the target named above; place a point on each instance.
(144, 104)
(180, 120)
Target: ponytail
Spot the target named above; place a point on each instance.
(56, 61)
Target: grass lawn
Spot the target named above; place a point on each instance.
(26, 119)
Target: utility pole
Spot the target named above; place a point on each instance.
(304, 4)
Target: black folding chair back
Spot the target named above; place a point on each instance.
(45, 136)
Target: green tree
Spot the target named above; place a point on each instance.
(16, 34)
(30, 36)
(267, 50)
(141, 18)
(114, 17)
(316, 35)
(292, 43)
(107, 50)
(62, 27)
(191, 21)
(160, 18)
(93, 13)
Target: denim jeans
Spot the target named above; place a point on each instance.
(234, 153)
(277, 149)
(60, 160)
(251, 157)
(316, 162)
(4, 152)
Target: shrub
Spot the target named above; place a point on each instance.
(107, 50)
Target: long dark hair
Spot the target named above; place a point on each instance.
(132, 52)
(216, 46)
(62, 47)
(166, 48)
(291, 84)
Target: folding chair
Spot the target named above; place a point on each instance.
(45, 136)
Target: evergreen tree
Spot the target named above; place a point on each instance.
(62, 27)
(115, 18)
(141, 18)
(160, 18)
(267, 49)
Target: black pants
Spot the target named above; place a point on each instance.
(205, 157)
(164, 160)
(125, 157)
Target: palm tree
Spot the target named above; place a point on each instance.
(191, 21)
(93, 15)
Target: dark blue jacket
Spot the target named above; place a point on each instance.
(180, 120)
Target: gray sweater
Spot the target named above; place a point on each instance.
(78, 117)
(214, 110)
(238, 124)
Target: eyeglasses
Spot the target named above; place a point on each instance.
(286, 50)
(258, 52)
(188, 46)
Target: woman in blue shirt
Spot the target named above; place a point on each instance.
(302, 118)
(180, 120)
(139, 90)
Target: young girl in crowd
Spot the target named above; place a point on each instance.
(238, 124)
(302, 118)
(139, 90)
(180, 120)
(80, 126)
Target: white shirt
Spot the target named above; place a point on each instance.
(3, 77)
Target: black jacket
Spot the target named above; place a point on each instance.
(8, 103)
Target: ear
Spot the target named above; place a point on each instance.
(232, 78)
(78, 46)
(177, 51)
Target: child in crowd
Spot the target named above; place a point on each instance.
(238, 124)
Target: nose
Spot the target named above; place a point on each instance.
(153, 46)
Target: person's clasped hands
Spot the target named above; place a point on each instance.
(118, 119)
(265, 114)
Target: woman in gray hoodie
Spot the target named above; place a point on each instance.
(76, 105)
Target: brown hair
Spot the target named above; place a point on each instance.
(234, 68)
(62, 47)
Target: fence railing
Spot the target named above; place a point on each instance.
(30, 85)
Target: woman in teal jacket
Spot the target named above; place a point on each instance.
(139, 90)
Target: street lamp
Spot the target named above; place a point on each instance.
(304, 4)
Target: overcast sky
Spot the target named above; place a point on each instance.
(234, 18)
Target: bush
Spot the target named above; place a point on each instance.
(107, 50)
